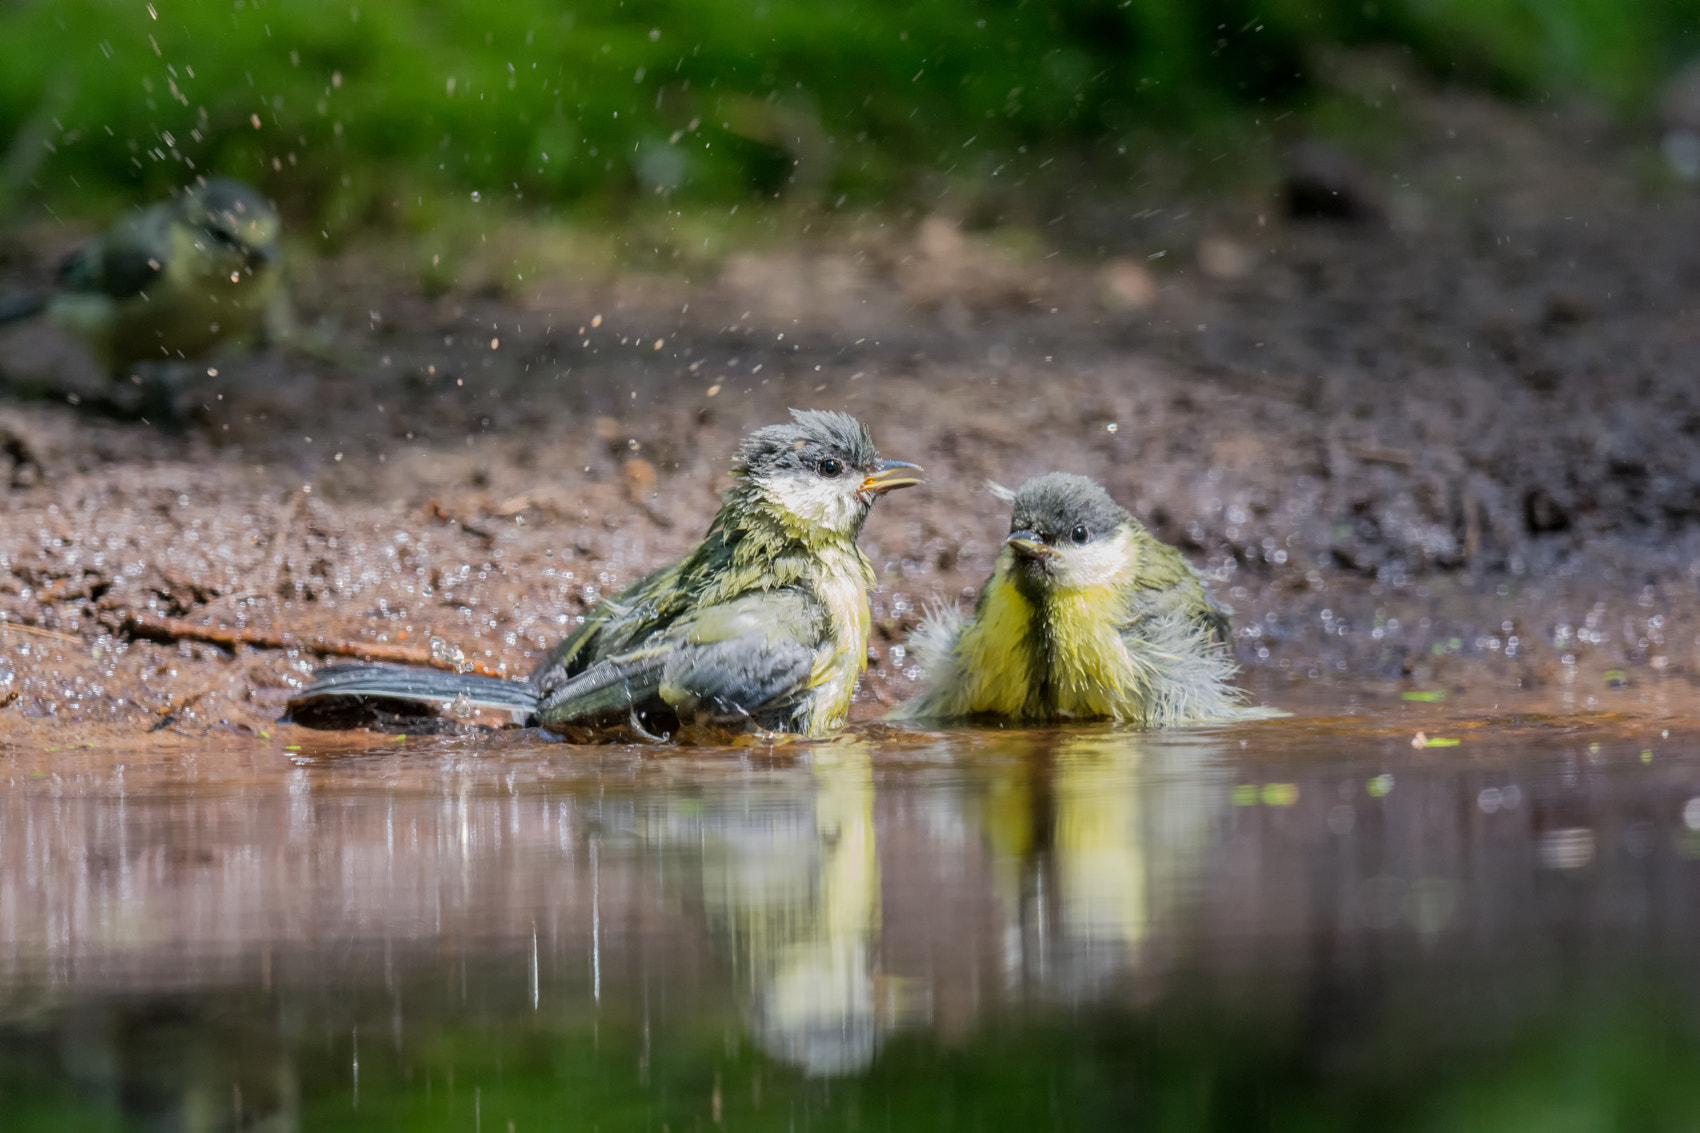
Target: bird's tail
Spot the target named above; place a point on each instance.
(21, 307)
(391, 696)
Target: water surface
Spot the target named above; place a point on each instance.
(1298, 924)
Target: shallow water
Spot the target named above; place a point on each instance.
(1306, 923)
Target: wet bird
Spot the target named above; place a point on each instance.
(169, 282)
(764, 625)
(1086, 616)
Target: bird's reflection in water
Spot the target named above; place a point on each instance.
(1093, 835)
(798, 893)
(1086, 837)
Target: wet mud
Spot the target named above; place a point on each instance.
(1443, 447)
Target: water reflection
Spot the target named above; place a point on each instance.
(795, 893)
(1132, 818)
(444, 933)
(1074, 843)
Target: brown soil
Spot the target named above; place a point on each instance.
(1449, 447)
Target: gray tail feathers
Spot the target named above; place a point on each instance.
(396, 696)
(21, 307)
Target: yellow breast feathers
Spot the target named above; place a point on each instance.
(996, 654)
(1092, 674)
(842, 586)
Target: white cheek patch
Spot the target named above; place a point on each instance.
(1099, 563)
(817, 500)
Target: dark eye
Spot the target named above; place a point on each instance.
(829, 467)
(1080, 534)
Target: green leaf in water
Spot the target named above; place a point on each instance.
(1440, 741)
(1381, 786)
(1245, 794)
(1280, 794)
(1426, 696)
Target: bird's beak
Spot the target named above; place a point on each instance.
(1029, 545)
(888, 474)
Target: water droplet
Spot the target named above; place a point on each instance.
(445, 654)
(1691, 813)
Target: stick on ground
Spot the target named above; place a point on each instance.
(171, 629)
(37, 631)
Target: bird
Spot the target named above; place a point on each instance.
(170, 281)
(763, 626)
(1086, 616)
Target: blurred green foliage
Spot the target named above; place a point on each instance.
(333, 105)
(1615, 1060)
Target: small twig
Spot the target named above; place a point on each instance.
(168, 715)
(38, 632)
(1376, 454)
(171, 629)
(434, 510)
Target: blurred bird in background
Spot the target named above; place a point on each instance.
(764, 625)
(1086, 616)
(167, 283)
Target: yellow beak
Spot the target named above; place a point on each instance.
(888, 474)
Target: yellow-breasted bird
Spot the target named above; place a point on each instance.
(170, 281)
(1086, 616)
(765, 624)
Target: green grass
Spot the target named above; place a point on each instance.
(596, 108)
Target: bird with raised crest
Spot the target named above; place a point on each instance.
(764, 625)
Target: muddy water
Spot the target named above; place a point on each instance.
(1304, 923)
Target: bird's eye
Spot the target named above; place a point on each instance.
(1080, 534)
(829, 467)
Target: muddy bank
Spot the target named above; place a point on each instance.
(1449, 446)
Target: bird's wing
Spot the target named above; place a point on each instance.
(745, 656)
(123, 261)
(611, 686)
(1211, 613)
(724, 661)
(1170, 585)
(617, 625)
(567, 658)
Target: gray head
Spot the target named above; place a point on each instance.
(1060, 507)
(1067, 529)
(235, 215)
(819, 474)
